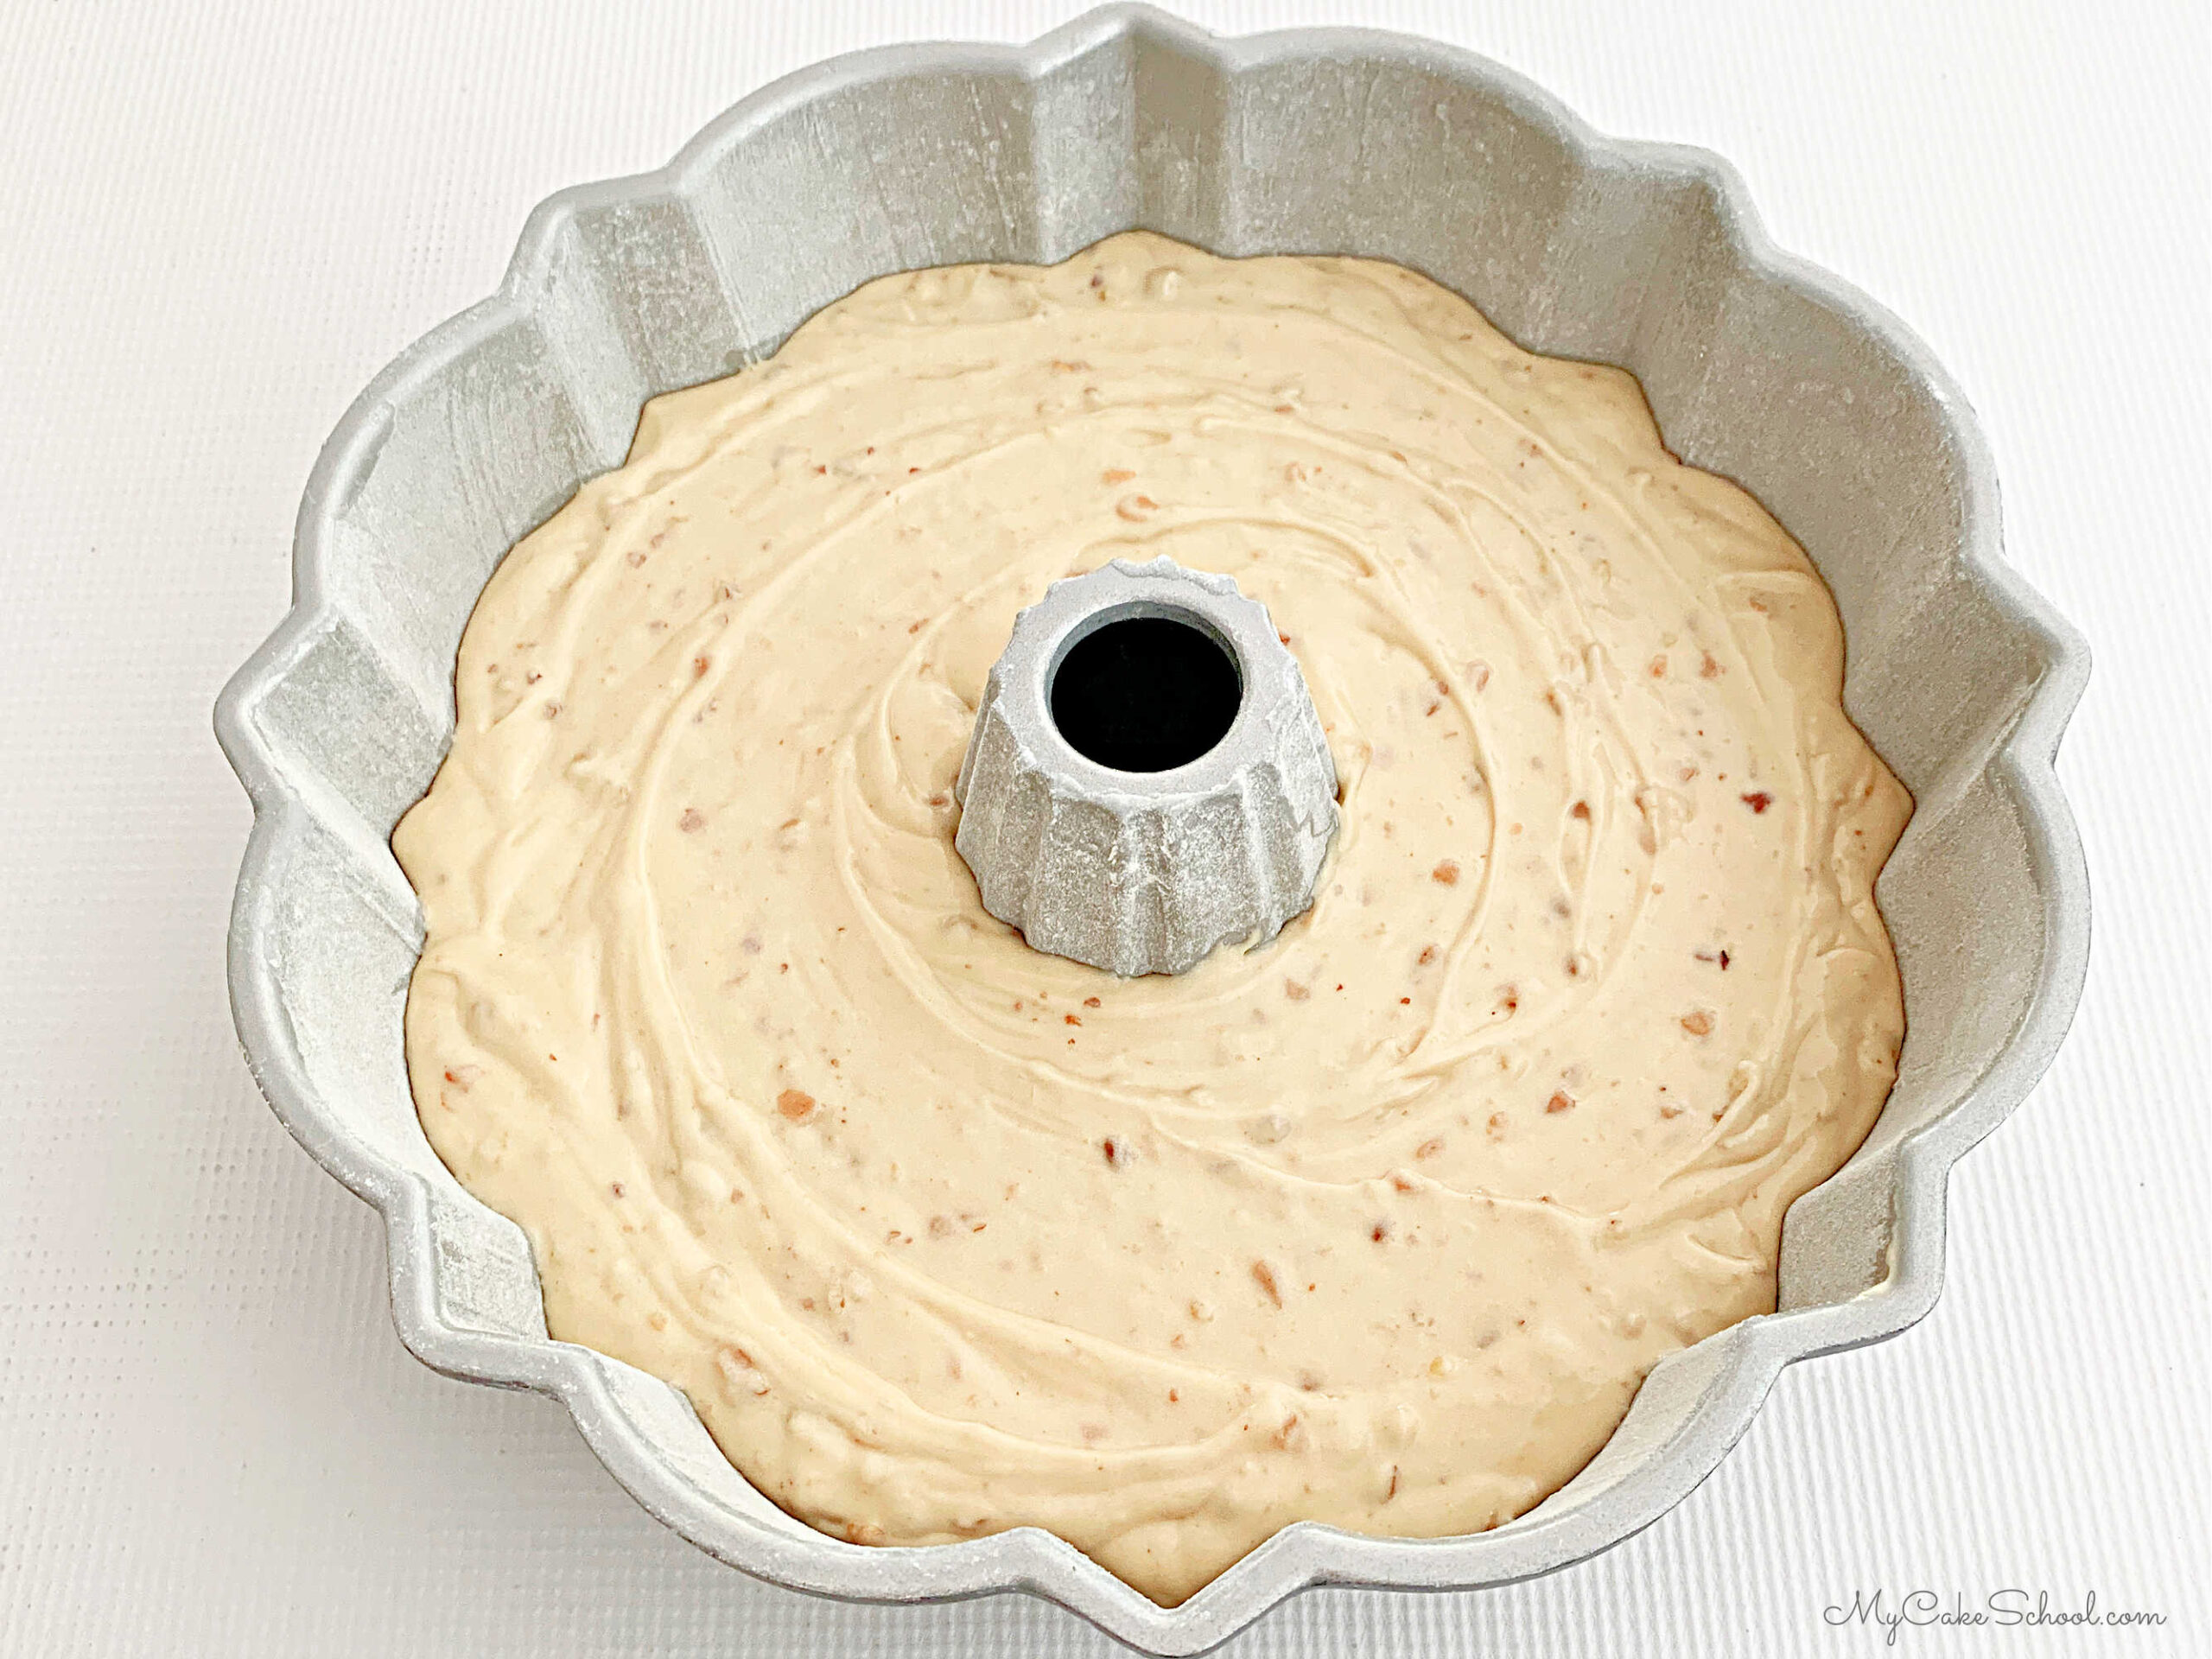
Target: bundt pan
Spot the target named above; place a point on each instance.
(1327, 141)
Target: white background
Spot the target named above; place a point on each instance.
(214, 229)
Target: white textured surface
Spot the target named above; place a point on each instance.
(210, 1440)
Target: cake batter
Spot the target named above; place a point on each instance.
(1381, 1224)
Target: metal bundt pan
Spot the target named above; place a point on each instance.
(1323, 141)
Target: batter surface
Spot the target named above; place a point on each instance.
(1380, 1225)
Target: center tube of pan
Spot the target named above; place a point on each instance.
(1146, 693)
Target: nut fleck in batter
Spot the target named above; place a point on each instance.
(1381, 1224)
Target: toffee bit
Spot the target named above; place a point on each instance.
(1071, 1020)
(1580, 810)
(1559, 1101)
(1446, 875)
(1295, 991)
(692, 822)
(1697, 1024)
(1264, 1276)
(1112, 1151)
(795, 1104)
(1092, 1002)
(1427, 955)
(1709, 669)
(1759, 800)
(1116, 475)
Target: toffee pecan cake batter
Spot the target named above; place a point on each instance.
(1380, 1225)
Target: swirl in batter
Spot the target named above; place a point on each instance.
(1381, 1224)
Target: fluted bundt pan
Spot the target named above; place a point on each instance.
(1756, 365)
(1125, 865)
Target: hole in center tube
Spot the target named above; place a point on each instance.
(1146, 693)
